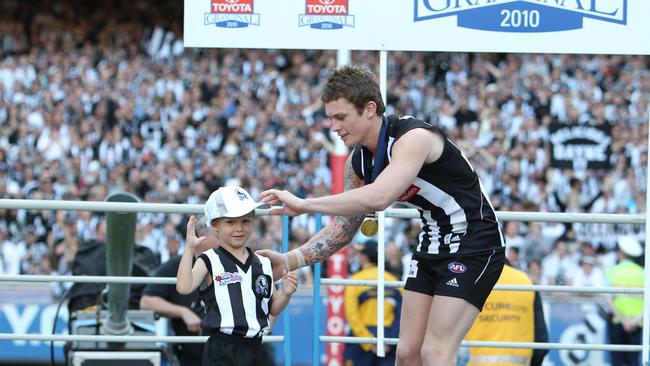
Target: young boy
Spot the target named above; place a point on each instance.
(236, 284)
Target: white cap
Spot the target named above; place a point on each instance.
(230, 201)
(630, 246)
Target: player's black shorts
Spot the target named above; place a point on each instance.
(469, 277)
(227, 350)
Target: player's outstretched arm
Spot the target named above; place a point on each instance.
(323, 244)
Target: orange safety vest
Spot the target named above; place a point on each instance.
(508, 316)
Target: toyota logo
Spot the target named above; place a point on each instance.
(326, 2)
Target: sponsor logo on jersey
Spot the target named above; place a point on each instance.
(326, 14)
(231, 14)
(522, 16)
(409, 193)
(456, 267)
(227, 278)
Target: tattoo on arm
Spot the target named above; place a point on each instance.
(340, 232)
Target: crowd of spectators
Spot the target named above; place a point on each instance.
(99, 97)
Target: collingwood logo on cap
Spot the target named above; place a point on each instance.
(241, 194)
(523, 16)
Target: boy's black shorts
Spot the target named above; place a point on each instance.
(469, 277)
(227, 350)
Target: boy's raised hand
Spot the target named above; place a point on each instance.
(191, 240)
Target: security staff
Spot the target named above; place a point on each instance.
(626, 310)
(184, 311)
(361, 312)
(509, 316)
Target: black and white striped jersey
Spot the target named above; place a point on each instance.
(239, 299)
(456, 215)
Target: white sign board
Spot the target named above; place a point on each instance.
(546, 26)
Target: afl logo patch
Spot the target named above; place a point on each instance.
(413, 269)
(456, 267)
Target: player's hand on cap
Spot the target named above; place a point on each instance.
(292, 204)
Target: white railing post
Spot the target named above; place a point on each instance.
(381, 265)
(645, 339)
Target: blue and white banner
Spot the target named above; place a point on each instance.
(572, 320)
(545, 26)
(532, 16)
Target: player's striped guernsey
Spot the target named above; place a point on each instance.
(457, 217)
(239, 299)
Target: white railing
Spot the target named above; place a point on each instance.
(531, 345)
(406, 213)
(329, 339)
(324, 281)
(117, 338)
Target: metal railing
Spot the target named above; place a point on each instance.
(118, 338)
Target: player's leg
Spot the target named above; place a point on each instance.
(463, 284)
(415, 307)
(449, 321)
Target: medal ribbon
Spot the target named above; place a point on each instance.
(380, 154)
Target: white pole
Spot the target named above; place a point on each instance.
(383, 66)
(342, 57)
(645, 356)
(381, 238)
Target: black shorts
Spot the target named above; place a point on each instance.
(227, 350)
(469, 277)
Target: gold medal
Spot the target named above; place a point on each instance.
(369, 227)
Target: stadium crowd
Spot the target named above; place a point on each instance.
(94, 102)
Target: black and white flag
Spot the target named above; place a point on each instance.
(580, 147)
